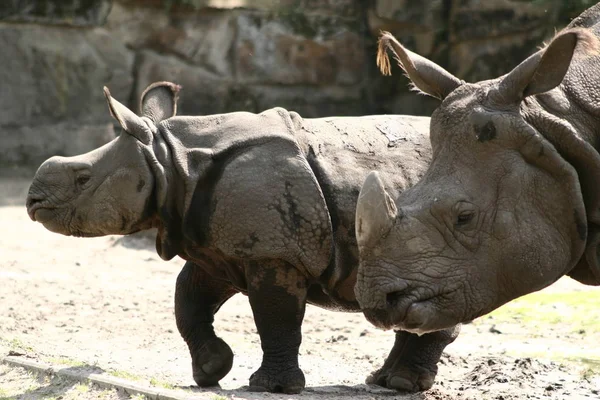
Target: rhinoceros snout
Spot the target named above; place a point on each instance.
(33, 203)
(386, 308)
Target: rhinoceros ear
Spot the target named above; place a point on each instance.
(375, 211)
(427, 76)
(159, 101)
(130, 122)
(546, 69)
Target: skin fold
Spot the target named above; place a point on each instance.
(260, 204)
(510, 202)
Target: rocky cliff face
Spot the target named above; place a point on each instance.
(314, 57)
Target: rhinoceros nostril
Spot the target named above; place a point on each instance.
(393, 298)
(32, 199)
(33, 203)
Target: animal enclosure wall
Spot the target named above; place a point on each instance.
(316, 57)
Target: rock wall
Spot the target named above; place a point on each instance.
(312, 56)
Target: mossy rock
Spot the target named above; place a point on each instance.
(58, 12)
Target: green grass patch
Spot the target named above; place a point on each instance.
(579, 310)
(164, 384)
(572, 315)
(82, 388)
(65, 361)
(18, 345)
(588, 374)
(592, 364)
(124, 375)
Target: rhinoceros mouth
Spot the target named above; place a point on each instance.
(411, 313)
(43, 214)
(50, 216)
(428, 314)
(36, 207)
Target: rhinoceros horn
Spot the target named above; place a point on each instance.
(375, 211)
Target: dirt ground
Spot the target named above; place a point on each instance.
(107, 304)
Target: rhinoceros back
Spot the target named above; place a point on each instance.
(241, 186)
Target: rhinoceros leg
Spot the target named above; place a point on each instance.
(412, 363)
(277, 293)
(198, 296)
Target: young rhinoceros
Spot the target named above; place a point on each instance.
(261, 204)
(511, 200)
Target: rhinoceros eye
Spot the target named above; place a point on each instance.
(464, 218)
(82, 180)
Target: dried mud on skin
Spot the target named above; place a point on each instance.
(108, 303)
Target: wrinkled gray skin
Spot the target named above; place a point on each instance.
(258, 204)
(511, 200)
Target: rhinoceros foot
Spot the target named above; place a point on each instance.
(287, 381)
(211, 362)
(409, 379)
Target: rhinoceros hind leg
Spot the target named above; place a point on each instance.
(277, 293)
(412, 364)
(198, 296)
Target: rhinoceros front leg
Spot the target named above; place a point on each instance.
(412, 364)
(198, 296)
(277, 293)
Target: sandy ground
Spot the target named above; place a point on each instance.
(107, 304)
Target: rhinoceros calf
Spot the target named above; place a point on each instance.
(511, 200)
(261, 204)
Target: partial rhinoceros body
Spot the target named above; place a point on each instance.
(262, 204)
(511, 200)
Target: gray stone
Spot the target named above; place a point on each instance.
(203, 92)
(134, 23)
(421, 25)
(410, 103)
(474, 19)
(298, 49)
(31, 145)
(203, 39)
(50, 74)
(60, 12)
(52, 100)
(338, 8)
(311, 102)
(199, 38)
(475, 61)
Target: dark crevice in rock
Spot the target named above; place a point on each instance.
(56, 12)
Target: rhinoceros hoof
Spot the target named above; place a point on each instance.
(287, 381)
(211, 362)
(406, 379)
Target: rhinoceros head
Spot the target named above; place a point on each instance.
(110, 189)
(498, 214)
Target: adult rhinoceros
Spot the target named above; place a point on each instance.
(511, 199)
(262, 204)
